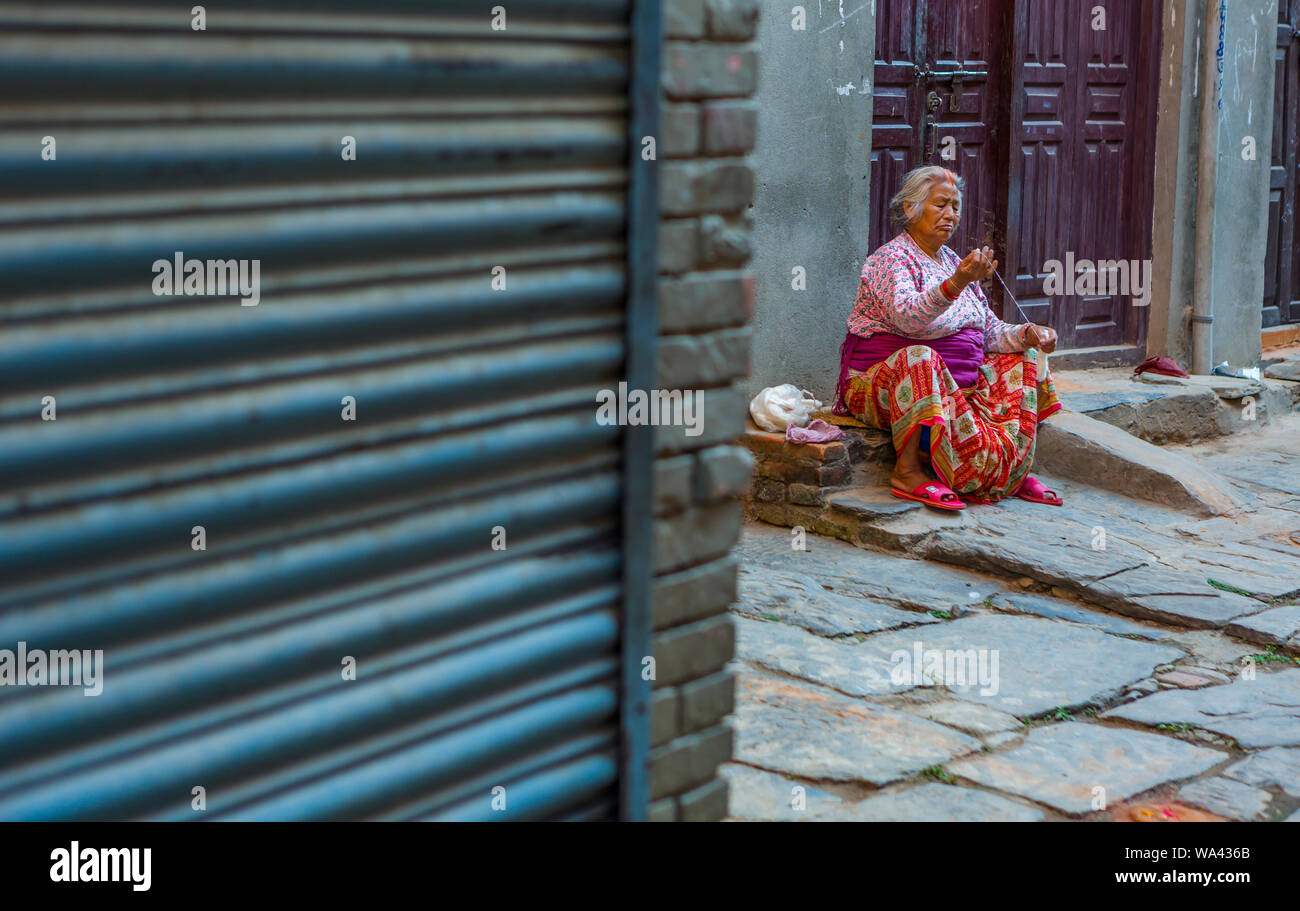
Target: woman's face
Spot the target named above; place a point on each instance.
(939, 214)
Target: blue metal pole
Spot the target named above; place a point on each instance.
(638, 466)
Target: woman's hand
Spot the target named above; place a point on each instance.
(977, 266)
(1041, 337)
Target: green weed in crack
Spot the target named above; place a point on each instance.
(1225, 587)
(937, 773)
(1271, 654)
(1060, 714)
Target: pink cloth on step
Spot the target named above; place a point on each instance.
(817, 431)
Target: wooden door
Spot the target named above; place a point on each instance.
(1081, 164)
(934, 98)
(1054, 143)
(1282, 264)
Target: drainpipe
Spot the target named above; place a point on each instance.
(1207, 155)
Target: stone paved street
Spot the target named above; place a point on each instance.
(998, 665)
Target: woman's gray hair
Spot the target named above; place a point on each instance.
(916, 189)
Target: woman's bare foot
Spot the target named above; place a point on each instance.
(908, 473)
(908, 479)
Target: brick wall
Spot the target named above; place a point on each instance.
(705, 305)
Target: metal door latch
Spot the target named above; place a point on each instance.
(954, 102)
(932, 104)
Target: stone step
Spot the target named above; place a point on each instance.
(841, 489)
(1077, 446)
(1163, 409)
(1053, 546)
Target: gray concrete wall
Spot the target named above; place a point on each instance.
(810, 204)
(1241, 186)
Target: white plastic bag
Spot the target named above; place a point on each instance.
(777, 407)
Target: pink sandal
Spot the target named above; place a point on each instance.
(933, 494)
(1035, 491)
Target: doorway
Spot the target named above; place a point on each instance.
(1047, 112)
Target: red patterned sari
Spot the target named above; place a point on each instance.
(982, 438)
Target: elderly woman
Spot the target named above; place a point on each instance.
(926, 359)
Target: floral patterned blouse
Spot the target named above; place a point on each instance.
(900, 294)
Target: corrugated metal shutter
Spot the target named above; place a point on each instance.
(325, 538)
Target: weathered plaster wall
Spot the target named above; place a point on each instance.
(810, 205)
(1241, 186)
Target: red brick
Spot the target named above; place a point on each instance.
(729, 127)
(769, 446)
(835, 474)
(788, 472)
(772, 513)
(805, 495)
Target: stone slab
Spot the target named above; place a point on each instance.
(1163, 595)
(971, 717)
(1278, 767)
(1159, 379)
(811, 732)
(871, 504)
(1261, 571)
(1046, 555)
(1060, 765)
(848, 668)
(935, 803)
(1263, 712)
(1264, 469)
(768, 797)
(1088, 402)
(802, 600)
(1041, 664)
(917, 585)
(1184, 680)
(1269, 627)
(1169, 415)
(1211, 648)
(1209, 673)
(1226, 797)
(1093, 452)
(1059, 609)
(847, 570)
(1143, 687)
(1230, 387)
(1287, 370)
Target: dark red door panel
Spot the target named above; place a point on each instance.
(1051, 126)
(923, 115)
(1282, 264)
